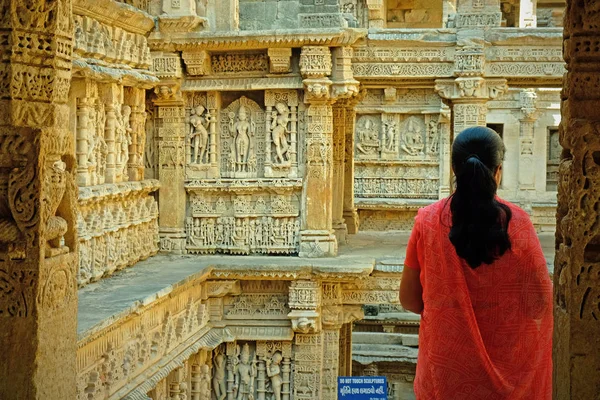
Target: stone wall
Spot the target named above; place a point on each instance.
(222, 336)
(117, 214)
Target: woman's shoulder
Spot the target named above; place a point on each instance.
(434, 209)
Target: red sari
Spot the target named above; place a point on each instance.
(486, 333)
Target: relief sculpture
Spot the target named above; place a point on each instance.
(199, 136)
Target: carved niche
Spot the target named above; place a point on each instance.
(258, 370)
(397, 156)
(242, 139)
(281, 142)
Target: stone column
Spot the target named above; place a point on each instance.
(576, 283)
(112, 97)
(339, 140)
(527, 14)
(350, 213)
(445, 151)
(316, 236)
(467, 97)
(86, 93)
(304, 301)
(136, 99)
(38, 244)
(528, 116)
(170, 128)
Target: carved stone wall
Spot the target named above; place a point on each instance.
(117, 213)
(219, 336)
(243, 169)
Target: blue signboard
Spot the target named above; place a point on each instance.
(362, 388)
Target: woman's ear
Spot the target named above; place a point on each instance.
(498, 175)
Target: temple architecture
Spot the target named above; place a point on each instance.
(185, 184)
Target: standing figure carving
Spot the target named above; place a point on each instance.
(413, 139)
(433, 137)
(242, 129)
(245, 374)
(274, 373)
(123, 138)
(279, 126)
(101, 147)
(389, 136)
(219, 382)
(204, 382)
(199, 135)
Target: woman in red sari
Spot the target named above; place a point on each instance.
(476, 273)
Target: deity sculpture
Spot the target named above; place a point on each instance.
(123, 137)
(56, 226)
(244, 377)
(242, 129)
(219, 383)
(279, 126)
(274, 373)
(368, 141)
(412, 142)
(389, 134)
(199, 135)
(433, 137)
(204, 382)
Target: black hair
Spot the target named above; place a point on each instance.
(479, 229)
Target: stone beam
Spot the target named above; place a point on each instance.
(38, 244)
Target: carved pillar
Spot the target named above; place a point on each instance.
(331, 354)
(38, 246)
(467, 97)
(526, 149)
(339, 140)
(478, 15)
(213, 101)
(316, 236)
(445, 146)
(112, 97)
(350, 213)
(170, 125)
(576, 283)
(136, 99)
(345, 364)
(85, 137)
(376, 10)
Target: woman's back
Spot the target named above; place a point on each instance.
(485, 332)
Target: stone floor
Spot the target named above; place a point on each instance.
(103, 301)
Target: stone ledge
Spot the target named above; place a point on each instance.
(114, 190)
(88, 68)
(252, 40)
(117, 14)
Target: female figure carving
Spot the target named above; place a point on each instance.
(279, 126)
(274, 373)
(413, 139)
(198, 135)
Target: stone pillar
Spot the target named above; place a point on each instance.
(477, 15)
(467, 97)
(376, 10)
(350, 213)
(38, 244)
(345, 364)
(86, 93)
(527, 13)
(112, 97)
(526, 148)
(331, 360)
(136, 99)
(170, 128)
(445, 152)
(339, 140)
(316, 236)
(304, 301)
(576, 283)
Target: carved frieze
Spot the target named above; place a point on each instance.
(236, 63)
(96, 40)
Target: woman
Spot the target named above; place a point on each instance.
(476, 273)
